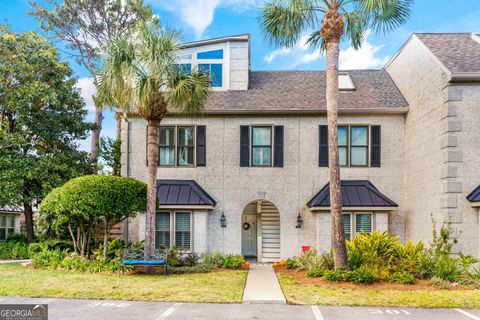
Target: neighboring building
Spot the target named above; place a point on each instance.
(257, 160)
(9, 221)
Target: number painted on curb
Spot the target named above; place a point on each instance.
(108, 304)
(389, 311)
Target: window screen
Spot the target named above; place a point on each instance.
(182, 230)
(261, 146)
(363, 222)
(347, 226)
(162, 230)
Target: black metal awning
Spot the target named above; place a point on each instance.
(182, 193)
(355, 193)
(474, 196)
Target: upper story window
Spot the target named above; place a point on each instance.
(210, 62)
(353, 146)
(184, 68)
(7, 226)
(215, 72)
(261, 146)
(213, 54)
(177, 146)
(358, 145)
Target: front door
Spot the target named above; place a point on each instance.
(249, 236)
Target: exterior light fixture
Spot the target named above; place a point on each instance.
(299, 221)
(223, 221)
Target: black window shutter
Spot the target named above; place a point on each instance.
(278, 146)
(323, 147)
(201, 146)
(375, 146)
(244, 146)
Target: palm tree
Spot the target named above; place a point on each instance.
(284, 21)
(140, 77)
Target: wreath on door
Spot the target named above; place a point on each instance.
(246, 226)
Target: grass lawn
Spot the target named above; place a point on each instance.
(299, 290)
(221, 286)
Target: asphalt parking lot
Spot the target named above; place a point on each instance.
(119, 310)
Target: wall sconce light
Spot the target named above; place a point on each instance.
(223, 221)
(299, 221)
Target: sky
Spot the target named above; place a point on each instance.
(203, 19)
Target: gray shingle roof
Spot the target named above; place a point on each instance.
(182, 192)
(304, 91)
(355, 193)
(11, 209)
(475, 195)
(458, 52)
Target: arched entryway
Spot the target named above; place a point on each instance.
(261, 231)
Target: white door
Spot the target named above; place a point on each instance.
(249, 236)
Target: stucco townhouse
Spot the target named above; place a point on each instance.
(251, 175)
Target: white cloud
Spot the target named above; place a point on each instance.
(364, 58)
(198, 14)
(277, 53)
(301, 53)
(87, 90)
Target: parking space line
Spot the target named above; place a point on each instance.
(317, 313)
(468, 314)
(169, 311)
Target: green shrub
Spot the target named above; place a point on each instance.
(214, 259)
(361, 275)
(403, 277)
(190, 259)
(311, 260)
(316, 273)
(337, 275)
(14, 250)
(116, 247)
(233, 261)
(199, 268)
(45, 258)
(440, 283)
(291, 263)
(448, 269)
(51, 245)
(17, 237)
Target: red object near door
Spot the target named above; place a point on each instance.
(305, 248)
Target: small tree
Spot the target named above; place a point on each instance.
(85, 26)
(140, 77)
(84, 200)
(42, 120)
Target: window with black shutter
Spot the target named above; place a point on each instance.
(261, 146)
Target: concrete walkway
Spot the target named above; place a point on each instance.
(262, 286)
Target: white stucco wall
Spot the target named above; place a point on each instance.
(442, 149)
(288, 188)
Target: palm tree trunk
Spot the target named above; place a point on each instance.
(338, 237)
(96, 135)
(152, 156)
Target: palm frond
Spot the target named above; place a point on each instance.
(315, 40)
(282, 21)
(187, 93)
(385, 15)
(356, 25)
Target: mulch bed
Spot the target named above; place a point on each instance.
(302, 278)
